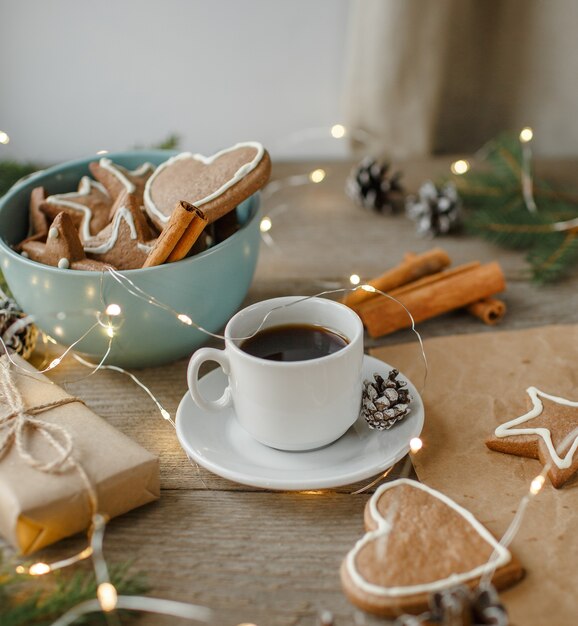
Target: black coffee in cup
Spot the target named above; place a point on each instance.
(294, 342)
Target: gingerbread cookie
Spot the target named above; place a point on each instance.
(62, 249)
(127, 240)
(216, 184)
(88, 207)
(38, 220)
(419, 542)
(547, 432)
(117, 179)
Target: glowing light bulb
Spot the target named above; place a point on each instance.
(369, 288)
(113, 309)
(39, 569)
(526, 134)
(20, 569)
(55, 363)
(354, 279)
(317, 176)
(537, 484)
(107, 596)
(185, 319)
(461, 166)
(102, 152)
(165, 414)
(110, 331)
(265, 225)
(415, 444)
(338, 131)
(4, 138)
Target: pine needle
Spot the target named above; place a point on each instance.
(495, 209)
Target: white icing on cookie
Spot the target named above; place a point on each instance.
(239, 174)
(121, 214)
(67, 199)
(63, 263)
(120, 172)
(503, 556)
(506, 430)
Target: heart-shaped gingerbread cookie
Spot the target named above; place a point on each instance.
(217, 183)
(419, 541)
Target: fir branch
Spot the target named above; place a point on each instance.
(171, 142)
(38, 601)
(12, 171)
(550, 259)
(513, 229)
(495, 209)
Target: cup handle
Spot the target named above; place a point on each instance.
(200, 356)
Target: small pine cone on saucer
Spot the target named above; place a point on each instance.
(384, 402)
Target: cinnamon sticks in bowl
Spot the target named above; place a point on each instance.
(427, 289)
(184, 227)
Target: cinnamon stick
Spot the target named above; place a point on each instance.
(412, 268)
(434, 278)
(189, 237)
(431, 296)
(489, 310)
(181, 217)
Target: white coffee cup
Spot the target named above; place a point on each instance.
(298, 405)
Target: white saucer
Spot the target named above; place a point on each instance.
(217, 441)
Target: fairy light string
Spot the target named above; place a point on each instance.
(107, 599)
(106, 593)
(526, 136)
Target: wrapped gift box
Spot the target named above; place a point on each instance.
(38, 508)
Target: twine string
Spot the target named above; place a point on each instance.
(18, 420)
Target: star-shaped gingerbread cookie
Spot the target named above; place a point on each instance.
(127, 241)
(62, 249)
(117, 179)
(547, 432)
(88, 207)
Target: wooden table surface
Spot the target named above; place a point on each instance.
(256, 556)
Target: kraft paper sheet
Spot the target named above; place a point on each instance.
(475, 383)
(36, 508)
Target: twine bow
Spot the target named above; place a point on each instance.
(15, 423)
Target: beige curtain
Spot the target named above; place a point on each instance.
(433, 76)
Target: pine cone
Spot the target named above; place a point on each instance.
(370, 186)
(435, 210)
(17, 333)
(460, 605)
(384, 402)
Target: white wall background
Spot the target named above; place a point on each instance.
(79, 76)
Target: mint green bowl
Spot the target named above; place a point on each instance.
(208, 287)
